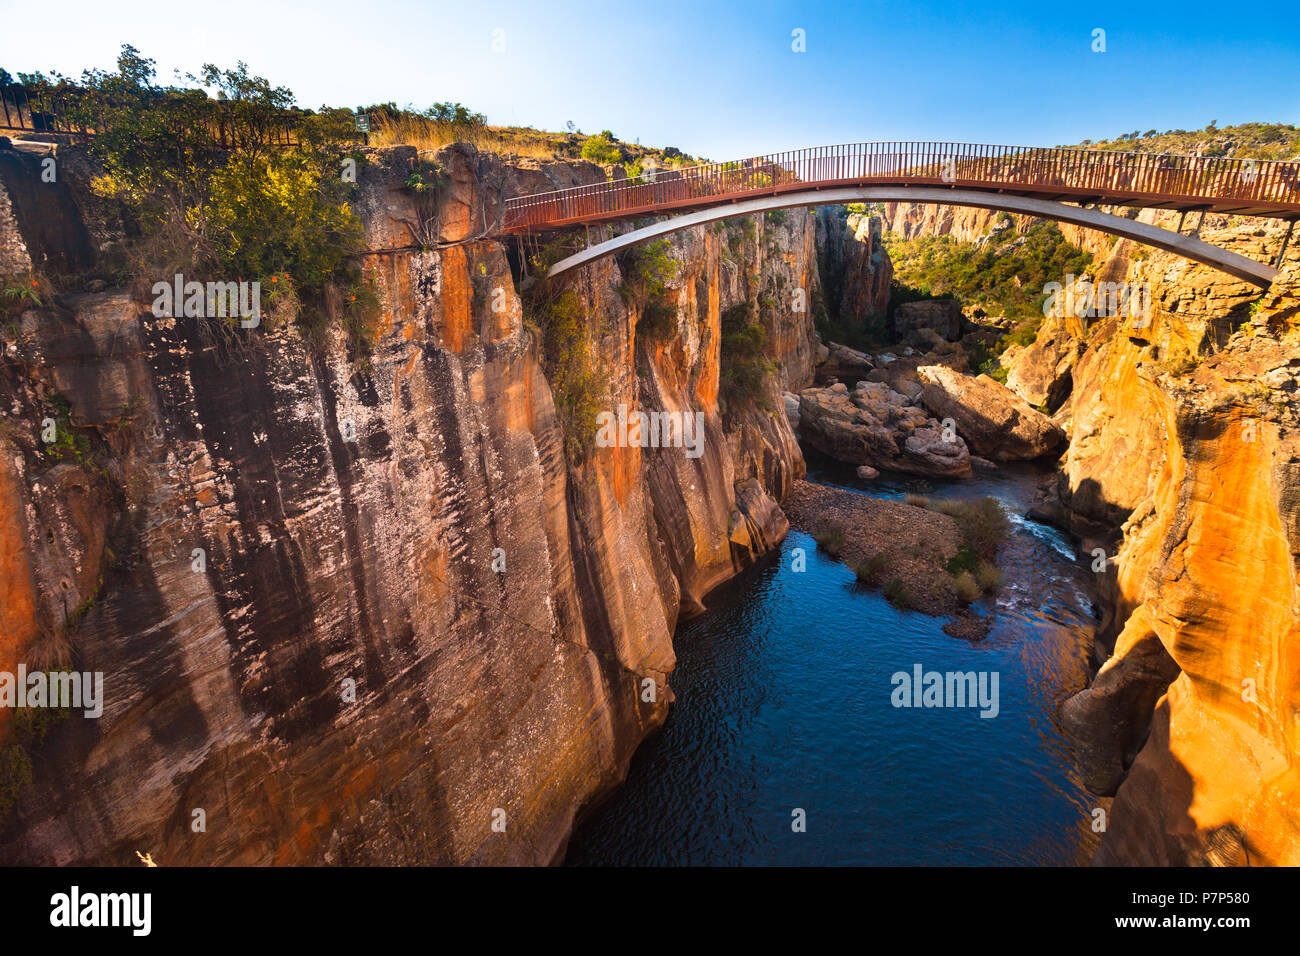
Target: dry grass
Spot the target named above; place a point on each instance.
(422, 133)
(428, 134)
(968, 590)
(988, 577)
(51, 651)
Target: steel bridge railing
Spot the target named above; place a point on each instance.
(1101, 175)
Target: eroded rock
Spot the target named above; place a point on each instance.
(877, 426)
(992, 419)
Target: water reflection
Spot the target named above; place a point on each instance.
(783, 703)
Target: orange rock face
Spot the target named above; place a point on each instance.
(1201, 462)
(421, 632)
(17, 588)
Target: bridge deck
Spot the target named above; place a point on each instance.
(1245, 187)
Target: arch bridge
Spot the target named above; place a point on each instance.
(1058, 184)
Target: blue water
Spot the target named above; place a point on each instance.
(783, 702)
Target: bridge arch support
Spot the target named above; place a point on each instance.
(1243, 267)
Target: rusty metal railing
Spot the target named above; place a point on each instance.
(56, 112)
(44, 114)
(1246, 186)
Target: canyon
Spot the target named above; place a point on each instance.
(361, 609)
(1180, 469)
(344, 677)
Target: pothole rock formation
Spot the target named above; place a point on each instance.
(877, 426)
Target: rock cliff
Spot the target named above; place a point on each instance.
(1181, 473)
(1192, 719)
(855, 268)
(366, 609)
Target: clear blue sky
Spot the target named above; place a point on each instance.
(720, 79)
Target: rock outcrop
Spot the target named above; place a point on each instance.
(855, 268)
(1042, 372)
(1191, 722)
(360, 611)
(844, 362)
(877, 426)
(994, 421)
(940, 316)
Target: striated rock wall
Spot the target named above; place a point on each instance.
(1187, 455)
(855, 267)
(412, 617)
(1182, 468)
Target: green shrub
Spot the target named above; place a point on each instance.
(967, 590)
(963, 560)
(996, 372)
(988, 577)
(743, 363)
(1023, 334)
(601, 149)
(983, 526)
(69, 444)
(831, 540)
(30, 728)
(873, 569)
(580, 390)
(273, 215)
(898, 594)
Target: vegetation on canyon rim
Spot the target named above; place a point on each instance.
(445, 123)
(250, 209)
(1245, 140)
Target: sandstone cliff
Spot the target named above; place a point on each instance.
(1181, 470)
(358, 611)
(1192, 719)
(855, 267)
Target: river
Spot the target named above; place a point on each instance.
(783, 704)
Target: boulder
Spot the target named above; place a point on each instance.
(844, 362)
(867, 473)
(995, 422)
(1040, 373)
(877, 426)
